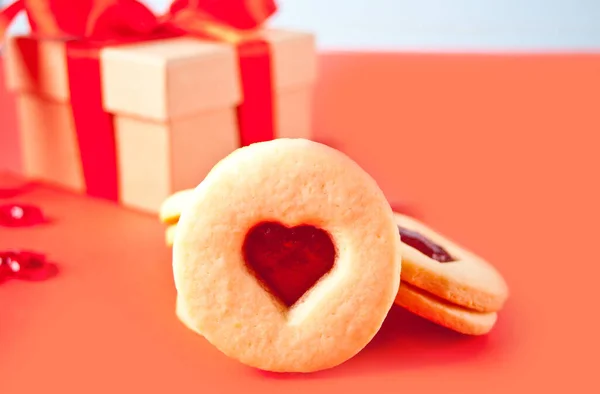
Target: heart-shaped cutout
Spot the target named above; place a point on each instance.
(288, 261)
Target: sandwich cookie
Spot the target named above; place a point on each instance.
(287, 257)
(445, 283)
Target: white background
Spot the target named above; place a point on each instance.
(462, 25)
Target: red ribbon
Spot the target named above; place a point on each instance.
(97, 23)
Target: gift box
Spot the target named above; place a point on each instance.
(135, 119)
(174, 103)
(37, 71)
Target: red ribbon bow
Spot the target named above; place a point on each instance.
(114, 19)
(92, 24)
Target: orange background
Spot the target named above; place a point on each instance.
(498, 152)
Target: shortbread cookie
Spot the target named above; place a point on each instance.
(294, 201)
(466, 280)
(182, 314)
(171, 208)
(444, 313)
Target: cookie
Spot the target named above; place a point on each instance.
(171, 208)
(181, 313)
(444, 272)
(445, 314)
(297, 202)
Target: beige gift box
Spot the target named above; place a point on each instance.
(175, 100)
(49, 145)
(173, 104)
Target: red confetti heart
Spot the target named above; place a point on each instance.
(20, 215)
(25, 265)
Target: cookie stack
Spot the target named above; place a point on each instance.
(287, 257)
(446, 283)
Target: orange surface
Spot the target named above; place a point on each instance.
(499, 153)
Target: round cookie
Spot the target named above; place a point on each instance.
(181, 313)
(441, 312)
(468, 281)
(294, 182)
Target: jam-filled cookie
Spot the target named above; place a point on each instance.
(287, 257)
(444, 313)
(446, 283)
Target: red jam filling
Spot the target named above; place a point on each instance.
(425, 245)
(25, 265)
(288, 261)
(20, 215)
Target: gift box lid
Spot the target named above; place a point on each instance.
(169, 78)
(179, 77)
